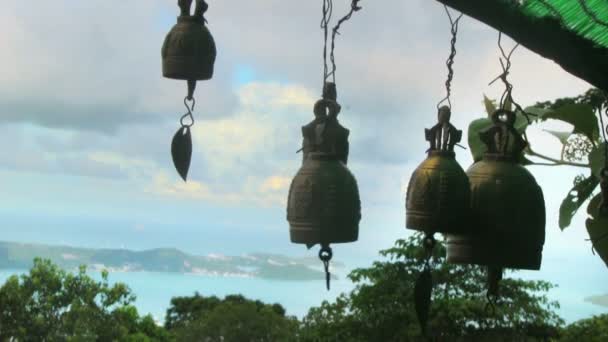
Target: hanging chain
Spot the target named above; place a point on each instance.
(450, 61)
(328, 8)
(325, 254)
(505, 63)
(354, 7)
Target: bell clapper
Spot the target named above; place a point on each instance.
(325, 254)
(493, 293)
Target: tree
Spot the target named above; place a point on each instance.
(381, 307)
(594, 329)
(234, 318)
(50, 304)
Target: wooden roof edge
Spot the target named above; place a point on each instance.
(547, 37)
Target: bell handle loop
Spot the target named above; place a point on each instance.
(184, 6)
(327, 107)
(510, 117)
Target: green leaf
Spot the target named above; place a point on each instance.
(561, 136)
(490, 105)
(597, 159)
(477, 147)
(575, 199)
(581, 116)
(597, 227)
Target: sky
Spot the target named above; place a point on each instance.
(86, 121)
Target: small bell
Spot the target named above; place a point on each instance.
(323, 206)
(507, 205)
(438, 193)
(189, 49)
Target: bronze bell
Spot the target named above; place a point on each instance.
(323, 206)
(189, 49)
(507, 205)
(438, 193)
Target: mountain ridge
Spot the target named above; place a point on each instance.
(18, 255)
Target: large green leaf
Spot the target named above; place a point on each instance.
(579, 115)
(575, 199)
(490, 105)
(477, 147)
(597, 159)
(597, 227)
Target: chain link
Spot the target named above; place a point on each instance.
(505, 63)
(188, 115)
(450, 61)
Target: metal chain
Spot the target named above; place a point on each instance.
(328, 7)
(450, 61)
(505, 63)
(354, 7)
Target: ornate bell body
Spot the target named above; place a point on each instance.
(323, 205)
(437, 197)
(189, 50)
(507, 206)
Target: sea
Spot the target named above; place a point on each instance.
(154, 290)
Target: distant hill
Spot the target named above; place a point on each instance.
(258, 265)
(598, 300)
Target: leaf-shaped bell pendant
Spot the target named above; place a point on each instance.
(437, 199)
(507, 205)
(189, 51)
(323, 206)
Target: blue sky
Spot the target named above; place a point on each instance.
(86, 122)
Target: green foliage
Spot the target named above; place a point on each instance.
(580, 193)
(381, 307)
(594, 329)
(597, 227)
(54, 305)
(233, 318)
(579, 115)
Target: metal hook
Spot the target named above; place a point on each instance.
(189, 113)
(325, 254)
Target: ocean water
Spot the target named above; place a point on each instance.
(155, 290)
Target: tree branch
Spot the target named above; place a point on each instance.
(579, 56)
(556, 162)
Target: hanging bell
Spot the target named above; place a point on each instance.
(507, 205)
(189, 49)
(323, 206)
(437, 199)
